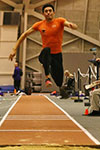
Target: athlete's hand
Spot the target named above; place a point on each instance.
(11, 56)
(97, 59)
(70, 25)
(73, 26)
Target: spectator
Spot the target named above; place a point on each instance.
(69, 85)
(17, 77)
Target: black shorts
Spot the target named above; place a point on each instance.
(53, 64)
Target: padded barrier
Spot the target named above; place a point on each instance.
(7, 88)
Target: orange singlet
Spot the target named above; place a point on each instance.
(51, 33)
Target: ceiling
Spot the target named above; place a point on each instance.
(17, 5)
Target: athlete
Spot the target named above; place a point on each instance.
(51, 30)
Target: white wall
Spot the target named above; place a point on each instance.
(8, 37)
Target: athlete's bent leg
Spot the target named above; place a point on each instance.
(45, 59)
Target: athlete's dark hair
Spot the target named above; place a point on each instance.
(47, 5)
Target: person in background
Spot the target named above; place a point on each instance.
(51, 30)
(17, 77)
(94, 103)
(95, 99)
(69, 85)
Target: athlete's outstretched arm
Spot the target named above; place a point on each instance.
(70, 25)
(19, 41)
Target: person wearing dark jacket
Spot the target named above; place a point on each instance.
(17, 77)
(69, 85)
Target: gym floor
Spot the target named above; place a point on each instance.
(75, 109)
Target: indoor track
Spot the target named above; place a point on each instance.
(36, 120)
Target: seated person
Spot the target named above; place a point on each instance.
(95, 102)
(95, 99)
(68, 86)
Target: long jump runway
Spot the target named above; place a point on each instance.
(36, 120)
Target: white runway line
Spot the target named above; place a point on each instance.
(82, 128)
(3, 119)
